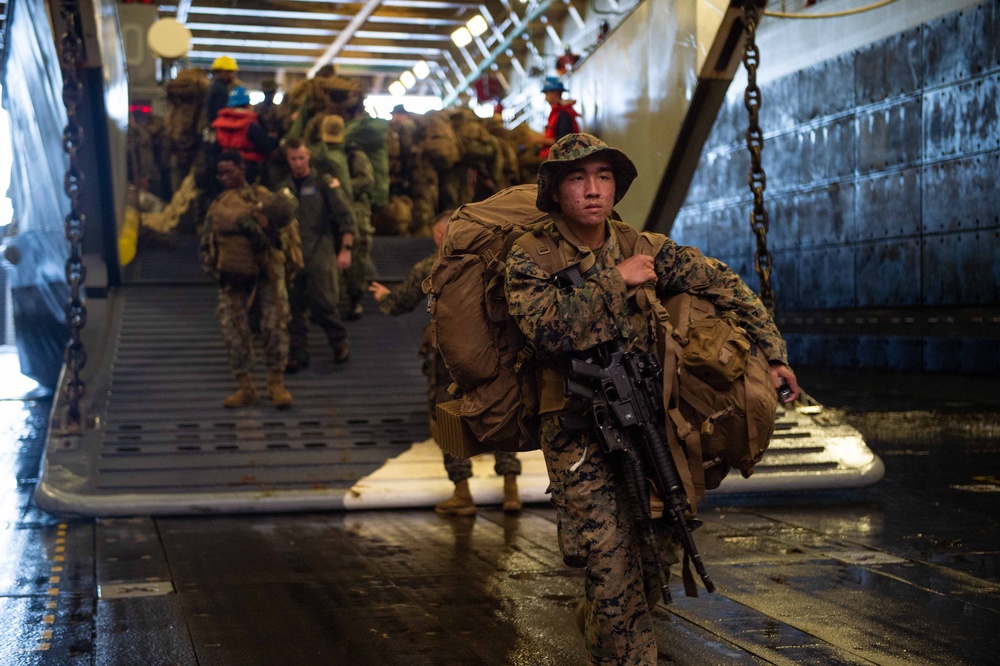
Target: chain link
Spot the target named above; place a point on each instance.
(756, 177)
(75, 356)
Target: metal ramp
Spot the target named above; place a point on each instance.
(160, 442)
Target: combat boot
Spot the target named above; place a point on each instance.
(276, 389)
(245, 393)
(511, 500)
(459, 504)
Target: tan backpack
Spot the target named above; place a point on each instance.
(718, 395)
(482, 347)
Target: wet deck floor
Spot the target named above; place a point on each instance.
(904, 572)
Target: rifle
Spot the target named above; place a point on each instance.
(626, 391)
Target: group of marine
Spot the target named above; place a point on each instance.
(287, 197)
(283, 242)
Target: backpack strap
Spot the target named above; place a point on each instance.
(687, 458)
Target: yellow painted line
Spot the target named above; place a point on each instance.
(49, 619)
(52, 605)
(54, 580)
(57, 568)
(53, 591)
(47, 634)
(59, 558)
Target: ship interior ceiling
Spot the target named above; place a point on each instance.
(146, 523)
(294, 38)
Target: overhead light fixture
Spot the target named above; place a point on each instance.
(397, 89)
(422, 70)
(461, 37)
(407, 79)
(477, 25)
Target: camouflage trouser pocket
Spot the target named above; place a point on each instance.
(572, 543)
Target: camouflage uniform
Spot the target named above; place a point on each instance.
(236, 295)
(594, 524)
(404, 299)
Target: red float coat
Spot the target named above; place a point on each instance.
(232, 130)
(562, 121)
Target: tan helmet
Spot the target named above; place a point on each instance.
(225, 64)
(569, 150)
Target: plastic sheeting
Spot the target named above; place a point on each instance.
(33, 99)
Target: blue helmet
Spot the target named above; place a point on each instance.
(553, 83)
(238, 96)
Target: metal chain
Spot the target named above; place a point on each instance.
(75, 356)
(756, 177)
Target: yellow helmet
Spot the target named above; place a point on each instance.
(225, 63)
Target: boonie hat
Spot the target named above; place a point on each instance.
(238, 96)
(552, 83)
(332, 129)
(569, 150)
(225, 63)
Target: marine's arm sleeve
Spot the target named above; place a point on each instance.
(684, 268)
(342, 219)
(556, 320)
(408, 295)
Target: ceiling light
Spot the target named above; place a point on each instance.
(397, 89)
(422, 70)
(477, 25)
(407, 79)
(461, 37)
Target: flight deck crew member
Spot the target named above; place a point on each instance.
(247, 255)
(327, 229)
(579, 184)
(404, 299)
(224, 70)
(562, 115)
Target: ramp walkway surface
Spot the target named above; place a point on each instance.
(159, 440)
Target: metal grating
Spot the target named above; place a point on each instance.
(165, 425)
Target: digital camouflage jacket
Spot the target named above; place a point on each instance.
(559, 319)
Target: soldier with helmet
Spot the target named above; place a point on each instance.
(224, 70)
(579, 184)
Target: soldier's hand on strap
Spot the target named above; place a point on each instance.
(637, 270)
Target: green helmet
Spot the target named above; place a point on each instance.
(569, 150)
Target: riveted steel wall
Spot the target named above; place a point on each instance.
(884, 199)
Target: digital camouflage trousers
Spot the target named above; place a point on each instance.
(596, 532)
(235, 300)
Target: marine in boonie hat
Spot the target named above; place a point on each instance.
(569, 150)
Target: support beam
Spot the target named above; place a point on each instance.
(183, 8)
(346, 35)
(538, 10)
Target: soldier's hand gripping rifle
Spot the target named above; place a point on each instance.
(626, 391)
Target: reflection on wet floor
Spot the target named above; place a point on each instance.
(903, 572)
